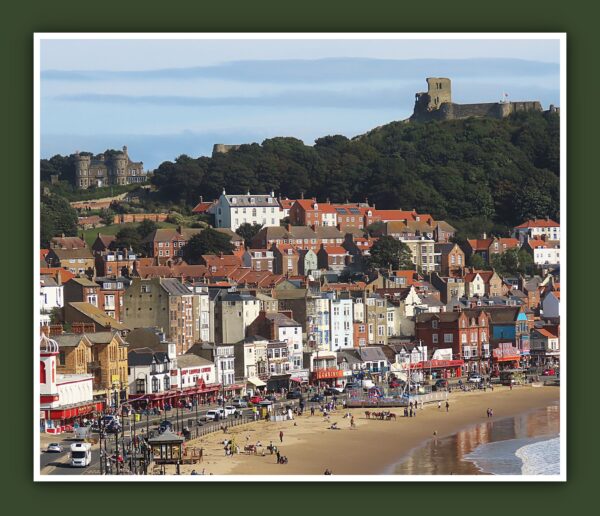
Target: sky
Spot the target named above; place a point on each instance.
(166, 97)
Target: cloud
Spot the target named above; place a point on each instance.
(322, 70)
(367, 99)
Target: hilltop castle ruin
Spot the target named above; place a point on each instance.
(436, 104)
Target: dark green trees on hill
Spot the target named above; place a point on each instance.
(389, 252)
(479, 174)
(207, 242)
(56, 217)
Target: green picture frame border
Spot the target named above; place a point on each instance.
(22, 20)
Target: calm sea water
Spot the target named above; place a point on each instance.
(527, 444)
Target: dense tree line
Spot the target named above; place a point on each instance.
(479, 174)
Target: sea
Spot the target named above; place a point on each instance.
(525, 444)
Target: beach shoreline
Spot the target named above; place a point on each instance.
(374, 447)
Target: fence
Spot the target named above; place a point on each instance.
(401, 401)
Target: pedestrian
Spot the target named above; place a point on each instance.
(410, 412)
(439, 405)
(352, 424)
(312, 410)
(405, 411)
(491, 412)
(447, 406)
(488, 412)
(278, 456)
(281, 436)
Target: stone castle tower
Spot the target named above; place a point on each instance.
(436, 104)
(118, 169)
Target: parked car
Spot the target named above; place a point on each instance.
(351, 386)
(332, 391)
(317, 398)
(475, 378)
(214, 415)
(440, 385)
(113, 428)
(230, 410)
(54, 448)
(256, 399)
(239, 403)
(549, 372)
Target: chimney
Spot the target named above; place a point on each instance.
(484, 235)
(201, 198)
(301, 195)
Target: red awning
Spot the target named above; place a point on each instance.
(71, 412)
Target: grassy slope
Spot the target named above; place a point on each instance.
(89, 235)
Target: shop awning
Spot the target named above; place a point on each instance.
(298, 380)
(257, 382)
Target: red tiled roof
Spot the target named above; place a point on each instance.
(395, 214)
(306, 204)
(546, 333)
(538, 223)
(220, 260)
(65, 275)
(334, 249)
(509, 242)
(286, 204)
(43, 253)
(480, 244)
(201, 207)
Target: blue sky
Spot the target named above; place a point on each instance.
(163, 98)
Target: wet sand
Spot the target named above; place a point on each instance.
(373, 447)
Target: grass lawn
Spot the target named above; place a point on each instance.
(89, 235)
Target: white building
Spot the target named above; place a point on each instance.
(202, 310)
(342, 319)
(193, 371)
(545, 252)
(289, 331)
(149, 371)
(51, 294)
(65, 399)
(231, 211)
(537, 228)
(551, 304)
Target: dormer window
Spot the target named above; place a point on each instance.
(252, 200)
(233, 200)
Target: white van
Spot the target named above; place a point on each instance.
(81, 455)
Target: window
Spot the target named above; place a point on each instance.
(380, 331)
(434, 324)
(434, 338)
(448, 338)
(146, 288)
(155, 384)
(463, 338)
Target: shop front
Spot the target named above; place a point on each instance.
(62, 419)
(327, 377)
(439, 369)
(504, 359)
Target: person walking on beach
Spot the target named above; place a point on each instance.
(447, 406)
(410, 412)
(491, 412)
(405, 412)
(281, 436)
(352, 424)
(312, 410)
(488, 412)
(439, 405)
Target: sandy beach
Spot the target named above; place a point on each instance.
(371, 448)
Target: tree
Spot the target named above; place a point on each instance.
(56, 217)
(248, 231)
(476, 261)
(107, 216)
(128, 238)
(389, 252)
(207, 242)
(146, 228)
(513, 262)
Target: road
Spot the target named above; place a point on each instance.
(59, 463)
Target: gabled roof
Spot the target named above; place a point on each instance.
(371, 354)
(328, 232)
(217, 260)
(201, 207)
(102, 337)
(302, 232)
(72, 254)
(260, 200)
(97, 315)
(538, 223)
(71, 340)
(55, 272)
(545, 333)
(444, 226)
(480, 244)
(68, 243)
(386, 215)
(192, 360)
(174, 287)
(334, 249)
(48, 281)
(140, 357)
(105, 240)
(281, 319)
(84, 282)
(163, 235)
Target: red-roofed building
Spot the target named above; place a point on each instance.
(487, 247)
(202, 207)
(332, 257)
(220, 260)
(60, 275)
(482, 283)
(536, 228)
(285, 259)
(545, 346)
(545, 252)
